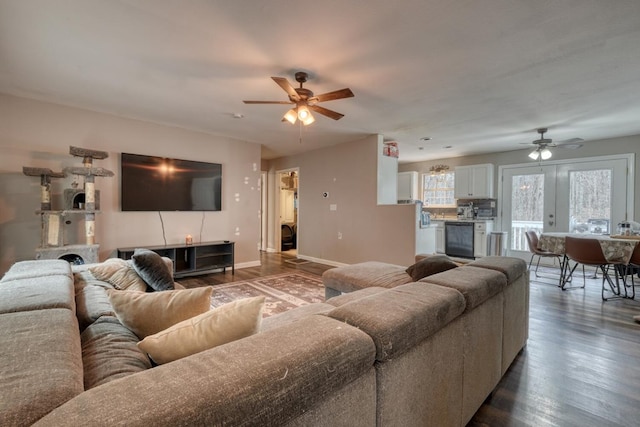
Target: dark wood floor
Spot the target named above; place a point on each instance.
(271, 263)
(581, 365)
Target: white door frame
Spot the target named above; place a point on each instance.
(277, 230)
(264, 224)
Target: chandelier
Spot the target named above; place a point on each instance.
(438, 169)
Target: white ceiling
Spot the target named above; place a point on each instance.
(477, 75)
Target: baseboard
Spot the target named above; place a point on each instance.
(322, 261)
(248, 264)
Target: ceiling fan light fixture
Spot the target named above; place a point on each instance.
(534, 154)
(303, 112)
(545, 154)
(291, 116)
(304, 115)
(310, 119)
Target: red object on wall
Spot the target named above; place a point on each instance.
(390, 149)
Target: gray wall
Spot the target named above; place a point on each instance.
(39, 134)
(370, 232)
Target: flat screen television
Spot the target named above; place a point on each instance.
(152, 183)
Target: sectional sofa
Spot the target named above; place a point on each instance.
(425, 353)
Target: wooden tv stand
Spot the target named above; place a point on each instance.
(189, 260)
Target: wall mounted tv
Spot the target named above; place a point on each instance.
(151, 183)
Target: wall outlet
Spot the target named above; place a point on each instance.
(339, 235)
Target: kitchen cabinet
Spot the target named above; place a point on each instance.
(480, 232)
(439, 236)
(474, 182)
(408, 186)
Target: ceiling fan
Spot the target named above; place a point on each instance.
(542, 144)
(305, 100)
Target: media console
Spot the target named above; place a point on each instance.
(198, 258)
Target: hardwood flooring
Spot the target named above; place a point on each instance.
(581, 365)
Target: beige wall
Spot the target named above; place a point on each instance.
(624, 145)
(39, 134)
(369, 231)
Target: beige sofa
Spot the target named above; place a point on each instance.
(417, 354)
(442, 343)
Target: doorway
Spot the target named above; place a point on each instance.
(587, 196)
(288, 182)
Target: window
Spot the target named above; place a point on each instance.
(437, 190)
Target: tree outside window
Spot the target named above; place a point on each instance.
(437, 190)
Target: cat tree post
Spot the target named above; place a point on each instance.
(89, 172)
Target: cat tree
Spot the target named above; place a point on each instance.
(77, 203)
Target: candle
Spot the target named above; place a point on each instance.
(189, 239)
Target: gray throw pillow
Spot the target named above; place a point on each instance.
(152, 269)
(430, 265)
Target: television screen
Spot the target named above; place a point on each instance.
(160, 184)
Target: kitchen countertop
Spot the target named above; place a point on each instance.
(461, 220)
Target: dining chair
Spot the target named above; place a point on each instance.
(632, 269)
(532, 241)
(588, 252)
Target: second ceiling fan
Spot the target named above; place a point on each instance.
(305, 100)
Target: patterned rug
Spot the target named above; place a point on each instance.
(282, 291)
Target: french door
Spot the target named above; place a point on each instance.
(588, 196)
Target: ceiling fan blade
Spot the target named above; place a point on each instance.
(330, 96)
(326, 112)
(284, 84)
(268, 102)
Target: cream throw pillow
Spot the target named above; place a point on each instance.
(230, 322)
(120, 274)
(146, 313)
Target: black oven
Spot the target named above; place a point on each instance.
(458, 239)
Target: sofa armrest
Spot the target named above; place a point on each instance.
(266, 379)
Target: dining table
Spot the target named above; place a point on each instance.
(615, 249)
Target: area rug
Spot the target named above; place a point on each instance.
(282, 291)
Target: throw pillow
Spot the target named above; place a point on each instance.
(430, 265)
(230, 322)
(146, 313)
(119, 273)
(153, 270)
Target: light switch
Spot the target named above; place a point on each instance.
(333, 207)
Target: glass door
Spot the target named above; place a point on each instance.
(589, 197)
(528, 199)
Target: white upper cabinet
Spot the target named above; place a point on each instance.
(474, 182)
(408, 186)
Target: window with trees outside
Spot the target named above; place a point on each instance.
(437, 190)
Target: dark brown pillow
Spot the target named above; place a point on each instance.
(430, 265)
(152, 269)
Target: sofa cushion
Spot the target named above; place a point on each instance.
(230, 322)
(92, 300)
(152, 269)
(37, 293)
(430, 265)
(149, 313)
(109, 352)
(294, 315)
(40, 365)
(400, 318)
(352, 296)
(509, 266)
(37, 268)
(120, 274)
(364, 275)
(476, 284)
